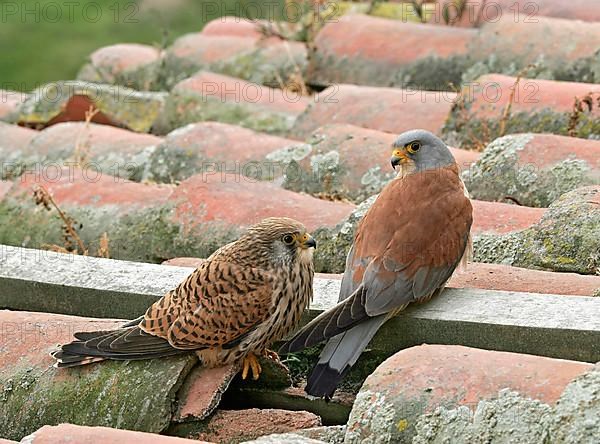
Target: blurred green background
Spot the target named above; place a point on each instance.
(47, 40)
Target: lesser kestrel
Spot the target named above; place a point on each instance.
(405, 249)
(244, 297)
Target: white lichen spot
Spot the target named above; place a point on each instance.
(372, 420)
(179, 132)
(325, 162)
(349, 225)
(287, 154)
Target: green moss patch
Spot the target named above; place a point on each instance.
(127, 395)
(123, 106)
(183, 107)
(498, 174)
(146, 235)
(469, 131)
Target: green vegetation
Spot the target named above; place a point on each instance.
(49, 40)
(114, 394)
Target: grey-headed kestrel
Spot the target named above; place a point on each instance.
(244, 297)
(405, 249)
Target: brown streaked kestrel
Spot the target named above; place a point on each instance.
(405, 249)
(244, 297)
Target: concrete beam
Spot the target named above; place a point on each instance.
(39, 280)
(558, 326)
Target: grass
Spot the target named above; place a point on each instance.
(48, 40)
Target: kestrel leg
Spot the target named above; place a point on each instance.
(273, 356)
(251, 363)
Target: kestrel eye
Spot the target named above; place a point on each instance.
(288, 239)
(413, 147)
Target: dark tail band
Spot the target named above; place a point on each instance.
(323, 380)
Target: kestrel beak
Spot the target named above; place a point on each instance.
(307, 241)
(399, 157)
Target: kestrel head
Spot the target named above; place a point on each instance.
(419, 150)
(280, 241)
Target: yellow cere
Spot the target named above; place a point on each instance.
(399, 153)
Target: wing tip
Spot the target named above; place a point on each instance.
(65, 360)
(285, 349)
(304, 339)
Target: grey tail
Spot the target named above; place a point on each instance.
(122, 344)
(345, 315)
(323, 380)
(339, 355)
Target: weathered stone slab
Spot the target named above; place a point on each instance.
(334, 412)
(136, 217)
(367, 50)
(9, 103)
(485, 319)
(239, 425)
(391, 110)
(507, 278)
(374, 51)
(534, 169)
(507, 45)
(103, 148)
(567, 237)
(69, 100)
(513, 418)
(447, 376)
(487, 277)
(537, 106)
(128, 64)
(13, 142)
(477, 12)
(346, 161)
(69, 433)
(234, 47)
(215, 207)
(207, 96)
(508, 418)
(550, 325)
(132, 395)
(151, 222)
(82, 285)
(214, 146)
